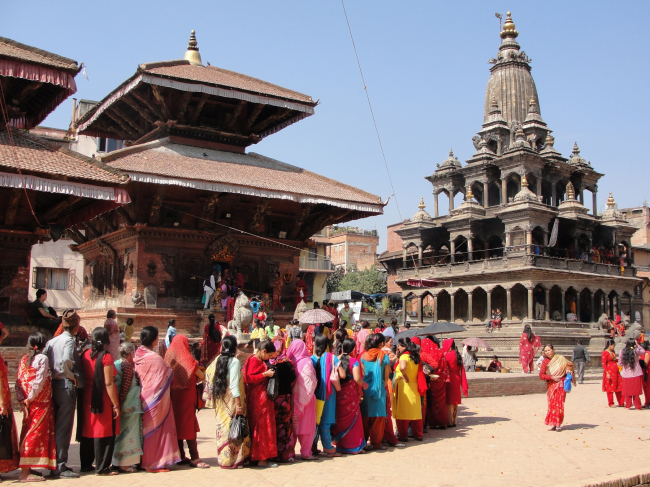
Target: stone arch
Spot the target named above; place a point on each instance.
(444, 306)
(513, 186)
(499, 299)
(443, 254)
(459, 197)
(555, 298)
(443, 203)
(479, 304)
(519, 301)
(461, 305)
(560, 191)
(614, 303)
(477, 191)
(571, 299)
(494, 194)
(599, 304)
(547, 193)
(495, 246)
(539, 302)
(532, 182)
(585, 313)
(478, 248)
(460, 254)
(517, 236)
(427, 306)
(538, 239)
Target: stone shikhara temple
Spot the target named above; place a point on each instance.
(198, 198)
(496, 250)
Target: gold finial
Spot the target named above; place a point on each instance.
(421, 205)
(570, 191)
(192, 54)
(524, 181)
(576, 151)
(469, 195)
(509, 28)
(550, 140)
(610, 201)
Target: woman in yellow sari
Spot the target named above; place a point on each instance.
(224, 391)
(408, 385)
(554, 370)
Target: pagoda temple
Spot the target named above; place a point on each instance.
(522, 240)
(45, 189)
(198, 197)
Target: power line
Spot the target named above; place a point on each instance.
(372, 113)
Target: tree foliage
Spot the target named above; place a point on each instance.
(367, 281)
(334, 280)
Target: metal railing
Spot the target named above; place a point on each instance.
(318, 264)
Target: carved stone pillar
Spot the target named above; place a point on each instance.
(606, 304)
(545, 251)
(509, 303)
(576, 247)
(451, 200)
(547, 311)
(632, 320)
(452, 251)
(486, 252)
(435, 308)
(578, 305)
(435, 205)
(530, 304)
(563, 305)
(453, 317)
(486, 187)
(529, 241)
(553, 194)
(489, 303)
(594, 200)
(404, 310)
(539, 186)
(592, 308)
(420, 249)
(419, 304)
(504, 191)
(470, 310)
(507, 239)
(404, 257)
(470, 248)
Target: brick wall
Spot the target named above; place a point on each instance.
(361, 250)
(17, 291)
(490, 384)
(393, 241)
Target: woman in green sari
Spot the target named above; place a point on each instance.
(128, 444)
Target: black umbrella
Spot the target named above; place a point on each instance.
(406, 334)
(439, 328)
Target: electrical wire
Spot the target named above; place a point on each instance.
(372, 113)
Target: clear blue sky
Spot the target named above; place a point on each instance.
(425, 65)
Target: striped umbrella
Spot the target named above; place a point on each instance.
(316, 317)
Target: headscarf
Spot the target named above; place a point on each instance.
(282, 352)
(179, 358)
(298, 354)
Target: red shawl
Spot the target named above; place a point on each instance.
(451, 357)
(422, 381)
(184, 366)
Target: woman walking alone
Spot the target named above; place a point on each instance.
(612, 381)
(183, 396)
(128, 444)
(160, 445)
(34, 393)
(303, 399)
(225, 392)
(631, 373)
(554, 370)
(261, 415)
(529, 344)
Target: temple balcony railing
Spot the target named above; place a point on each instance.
(514, 259)
(320, 264)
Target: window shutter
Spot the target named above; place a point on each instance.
(34, 277)
(72, 274)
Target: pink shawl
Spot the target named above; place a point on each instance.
(114, 334)
(158, 426)
(361, 338)
(304, 404)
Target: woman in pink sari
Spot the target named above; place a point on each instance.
(361, 338)
(303, 398)
(160, 447)
(529, 345)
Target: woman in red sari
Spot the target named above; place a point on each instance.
(554, 370)
(34, 392)
(528, 347)
(261, 413)
(6, 410)
(183, 395)
(646, 375)
(612, 382)
(347, 431)
(457, 380)
(309, 339)
(213, 333)
(437, 391)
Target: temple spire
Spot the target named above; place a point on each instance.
(509, 28)
(192, 54)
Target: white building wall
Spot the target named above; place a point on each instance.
(58, 255)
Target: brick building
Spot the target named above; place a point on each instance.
(349, 247)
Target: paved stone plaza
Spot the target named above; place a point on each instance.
(499, 441)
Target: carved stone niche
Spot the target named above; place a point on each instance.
(150, 296)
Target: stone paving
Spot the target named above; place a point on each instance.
(498, 441)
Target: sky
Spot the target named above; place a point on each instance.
(425, 66)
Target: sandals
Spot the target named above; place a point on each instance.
(127, 470)
(309, 458)
(32, 478)
(199, 464)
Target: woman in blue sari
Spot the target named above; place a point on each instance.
(325, 395)
(376, 366)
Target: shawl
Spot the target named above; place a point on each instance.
(171, 333)
(282, 352)
(446, 348)
(99, 384)
(184, 366)
(128, 371)
(361, 339)
(557, 367)
(324, 370)
(374, 358)
(155, 378)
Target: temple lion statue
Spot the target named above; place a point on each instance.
(243, 315)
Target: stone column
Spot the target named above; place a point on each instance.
(504, 191)
(451, 200)
(435, 205)
(563, 305)
(529, 241)
(453, 317)
(547, 301)
(435, 308)
(452, 251)
(576, 247)
(509, 303)
(539, 186)
(592, 308)
(420, 255)
(470, 248)
(594, 200)
(486, 187)
(545, 250)
(578, 305)
(470, 310)
(582, 196)
(419, 304)
(507, 239)
(606, 304)
(489, 303)
(631, 310)
(404, 257)
(530, 304)
(553, 194)
(486, 252)
(404, 316)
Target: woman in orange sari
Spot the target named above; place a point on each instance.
(554, 370)
(612, 381)
(34, 392)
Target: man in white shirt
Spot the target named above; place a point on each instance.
(209, 288)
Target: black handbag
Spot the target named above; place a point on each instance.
(238, 430)
(272, 388)
(6, 437)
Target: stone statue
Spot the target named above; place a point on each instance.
(634, 331)
(602, 322)
(476, 140)
(243, 315)
(137, 298)
(300, 309)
